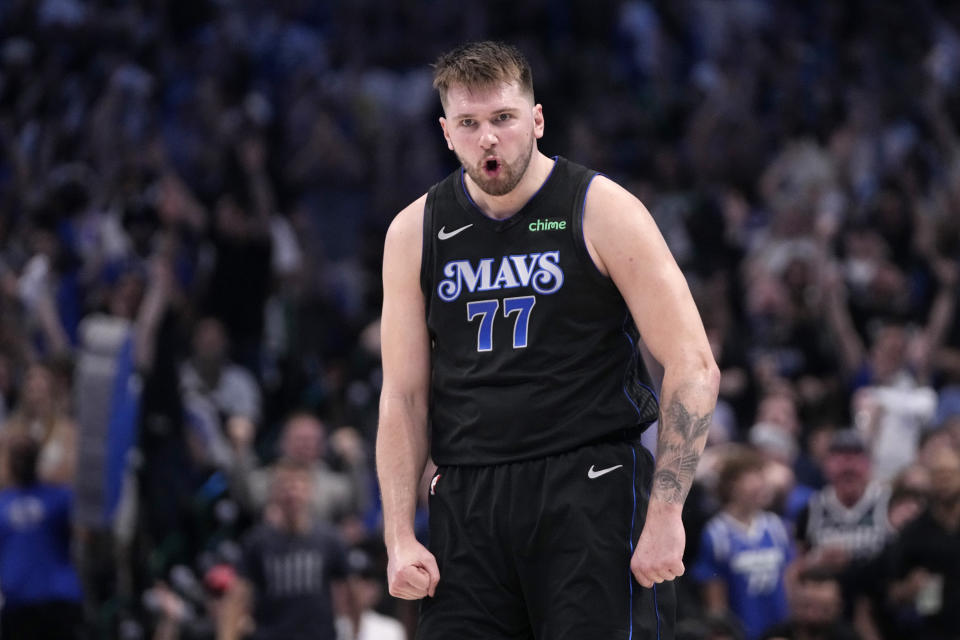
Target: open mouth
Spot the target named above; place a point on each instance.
(491, 166)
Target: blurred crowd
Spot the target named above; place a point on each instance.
(193, 196)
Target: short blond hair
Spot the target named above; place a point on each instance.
(481, 65)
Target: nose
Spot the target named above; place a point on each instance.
(488, 137)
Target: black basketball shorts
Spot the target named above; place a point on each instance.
(541, 550)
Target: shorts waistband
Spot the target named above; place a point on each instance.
(624, 435)
(627, 434)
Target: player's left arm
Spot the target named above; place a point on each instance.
(626, 245)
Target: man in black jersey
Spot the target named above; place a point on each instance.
(515, 291)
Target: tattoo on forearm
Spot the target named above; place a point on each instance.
(679, 443)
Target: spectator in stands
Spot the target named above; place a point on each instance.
(197, 614)
(230, 388)
(745, 550)
(39, 585)
(908, 495)
(781, 450)
(816, 611)
(925, 559)
(47, 287)
(291, 567)
(892, 404)
(365, 591)
(43, 414)
(241, 236)
(846, 520)
(874, 616)
(214, 391)
(116, 348)
(115, 136)
(303, 443)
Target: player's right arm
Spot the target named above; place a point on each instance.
(402, 446)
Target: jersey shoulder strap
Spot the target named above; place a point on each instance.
(427, 254)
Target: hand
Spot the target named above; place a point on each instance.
(169, 604)
(659, 553)
(906, 590)
(917, 580)
(347, 443)
(241, 432)
(412, 571)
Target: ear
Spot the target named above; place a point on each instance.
(538, 120)
(446, 133)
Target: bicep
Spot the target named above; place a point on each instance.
(404, 339)
(631, 250)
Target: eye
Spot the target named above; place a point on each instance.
(503, 117)
(467, 122)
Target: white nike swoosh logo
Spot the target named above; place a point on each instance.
(594, 473)
(443, 234)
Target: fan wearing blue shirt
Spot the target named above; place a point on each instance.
(745, 551)
(40, 588)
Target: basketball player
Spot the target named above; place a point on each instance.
(513, 294)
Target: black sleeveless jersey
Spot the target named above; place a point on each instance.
(533, 349)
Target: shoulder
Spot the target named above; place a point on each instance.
(774, 524)
(403, 246)
(408, 224)
(618, 229)
(607, 199)
(716, 535)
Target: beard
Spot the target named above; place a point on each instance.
(508, 177)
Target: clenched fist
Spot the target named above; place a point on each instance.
(412, 571)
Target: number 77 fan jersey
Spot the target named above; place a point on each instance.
(534, 351)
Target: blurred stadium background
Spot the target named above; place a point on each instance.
(193, 198)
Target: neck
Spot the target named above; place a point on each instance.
(502, 207)
(740, 513)
(849, 497)
(296, 522)
(209, 372)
